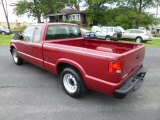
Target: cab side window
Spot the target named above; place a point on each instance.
(133, 31)
(128, 31)
(37, 34)
(28, 33)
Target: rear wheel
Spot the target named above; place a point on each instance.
(72, 82)
(17, 60)
(108, 38)
(138, 40)
(3, 33)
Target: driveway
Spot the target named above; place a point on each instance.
(30, 93)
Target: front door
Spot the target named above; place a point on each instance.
(126, 34)
(37, 55)
(25, 46)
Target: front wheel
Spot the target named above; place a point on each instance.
(17, 60)
(72, 82)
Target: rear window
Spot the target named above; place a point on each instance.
(63, 31)
(139, 31)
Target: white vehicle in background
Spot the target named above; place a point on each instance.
(95, 28)
(108, 32)
(137, 35)
(87, 33)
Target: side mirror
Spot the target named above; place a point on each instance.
(18, 37)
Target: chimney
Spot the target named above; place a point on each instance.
(77, 7)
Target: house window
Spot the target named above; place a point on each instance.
(73, 18)
(64, 17)
(78, 17)
(69, 17)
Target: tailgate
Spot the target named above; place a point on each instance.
(133, 59)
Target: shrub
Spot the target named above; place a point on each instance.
(67, 21)
(18, 29)
(156, 35)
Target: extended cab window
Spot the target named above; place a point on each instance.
(61, 32)
(37, 34)
(28, 33)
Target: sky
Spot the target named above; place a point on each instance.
(12, 17)
(24, 18)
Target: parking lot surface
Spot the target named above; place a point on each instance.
(30, 93)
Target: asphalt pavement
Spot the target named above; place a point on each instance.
(30, 93)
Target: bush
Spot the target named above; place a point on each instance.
(67, 21)
(156, 35)
(18, 29)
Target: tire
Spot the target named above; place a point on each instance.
(108, 38)
(3, 33)
(17, 60)
(138, 40)
(72, 82)
(119, 34)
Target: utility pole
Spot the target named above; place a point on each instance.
(6, 13)
(157, 11)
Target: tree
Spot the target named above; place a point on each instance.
(97, 8)
(139, 7)
(126, 17)
(38, 8)
(127, 13)
(32, 8)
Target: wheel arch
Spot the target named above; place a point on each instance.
(12, 47)
(108, 36)
(138, 37)
(64, 63)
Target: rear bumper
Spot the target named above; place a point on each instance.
(147, 39)
(133, 83)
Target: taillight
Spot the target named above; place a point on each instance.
(115, 67)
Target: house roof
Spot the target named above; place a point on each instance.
(71, 11)
(66, 12)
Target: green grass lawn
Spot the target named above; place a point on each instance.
(5, 40)
(153, 43)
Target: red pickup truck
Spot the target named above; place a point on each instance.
(110, 67)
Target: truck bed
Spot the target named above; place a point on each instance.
(105, 46)
(132, 55)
